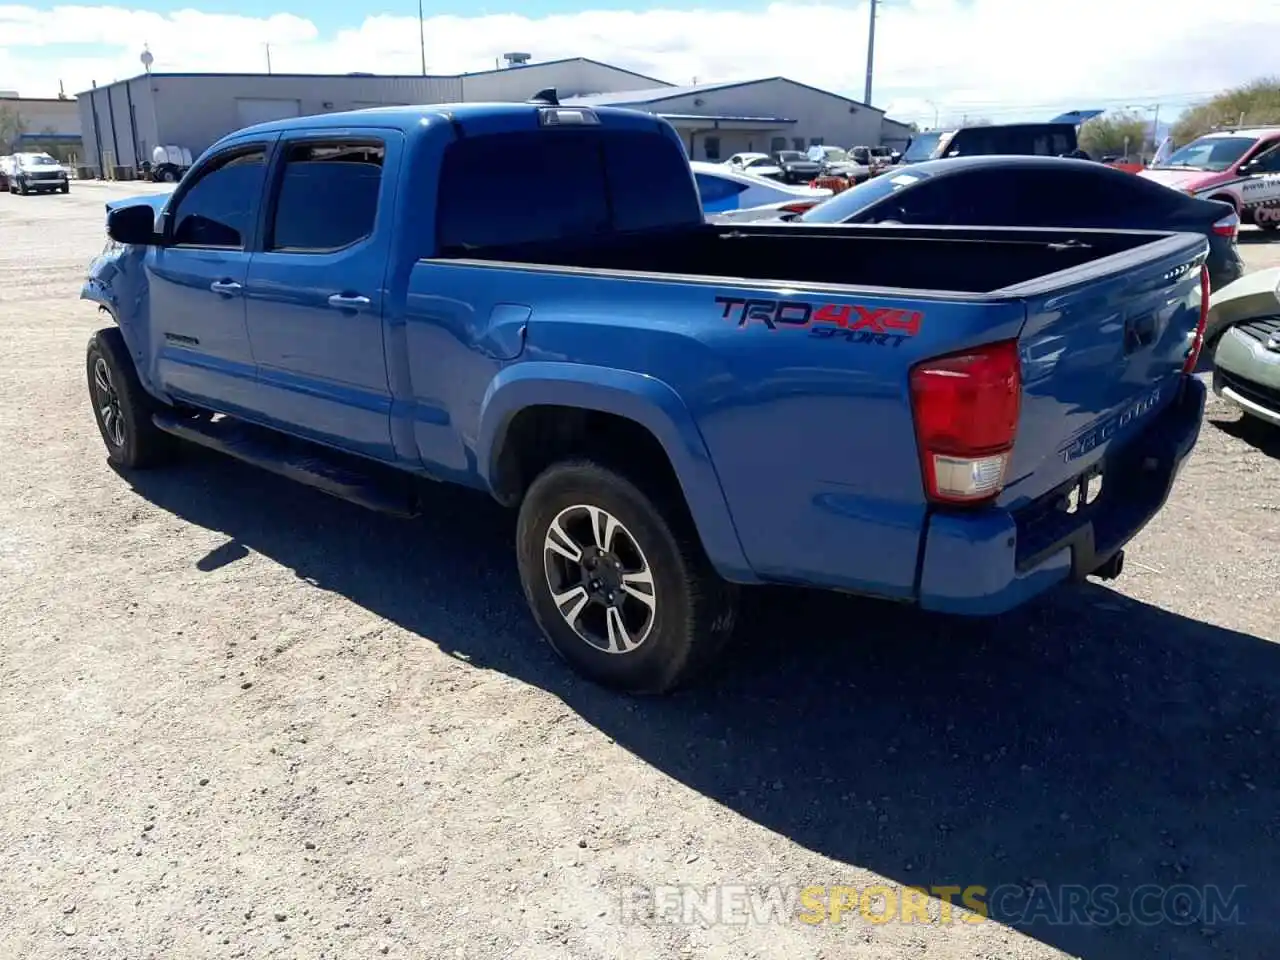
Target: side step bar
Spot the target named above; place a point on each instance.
(333, 473)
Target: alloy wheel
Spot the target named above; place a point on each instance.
(599, 579)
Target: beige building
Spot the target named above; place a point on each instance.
(52, 125)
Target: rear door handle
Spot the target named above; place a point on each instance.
(225, 287)
(344, 302)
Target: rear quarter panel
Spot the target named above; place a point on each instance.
(807, 422)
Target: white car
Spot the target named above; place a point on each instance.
(729, 195)
(756, 164)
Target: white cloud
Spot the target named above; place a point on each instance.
(994, 58)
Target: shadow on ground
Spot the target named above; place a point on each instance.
(1089, 740)
(1259, 435)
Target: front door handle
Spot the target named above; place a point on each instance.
(225, 287)
(344, 302)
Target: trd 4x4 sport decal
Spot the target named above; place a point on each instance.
(852, 323)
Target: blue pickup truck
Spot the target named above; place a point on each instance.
(949, 417)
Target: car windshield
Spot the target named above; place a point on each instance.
(849, 202)
(1214, 154)
(42, 161)
(789, 155)
(922, 146)
(827, 154)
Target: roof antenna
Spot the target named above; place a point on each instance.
(546, 98)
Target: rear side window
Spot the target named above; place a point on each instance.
(219, 208)
(328, 197)
(1040, 141)
(514, 188)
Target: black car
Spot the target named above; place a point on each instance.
(1035, 192)
(796, 166)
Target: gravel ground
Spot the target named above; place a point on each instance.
(240, 719)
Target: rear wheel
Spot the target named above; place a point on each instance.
(121, 407)
(617, 580)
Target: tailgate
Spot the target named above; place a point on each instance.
(1102, 354)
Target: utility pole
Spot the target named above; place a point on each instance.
(871, 53)
(1155, 129)
(422, 39)
(268, 46)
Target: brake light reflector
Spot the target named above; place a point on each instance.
(1228, 226)
(1197, 342)
(966, 408)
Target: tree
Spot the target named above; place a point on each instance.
(1114, 134)
(1255, 104)
(12, 127)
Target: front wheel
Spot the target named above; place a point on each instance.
(121, 407)
(617, 580)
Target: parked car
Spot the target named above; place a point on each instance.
(1239, 167)
(677, 408)
(756, 164)
(1246, 364)
(836, 162)
(1036, 192)
(796, 167)
(38, 173)
(1005, 139)
(6, 170)
(1253, 295)
(730, 195)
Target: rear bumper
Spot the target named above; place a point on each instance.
(992, 561)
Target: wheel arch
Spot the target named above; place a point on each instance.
(535, 413)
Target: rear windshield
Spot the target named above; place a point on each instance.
(565, 184)
(922, 146)
(845, 204)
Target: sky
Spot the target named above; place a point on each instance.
(1002, 60)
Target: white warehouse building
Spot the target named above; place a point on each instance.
(122, 122)
(717, 120)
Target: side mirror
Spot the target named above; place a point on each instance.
(134, 225)
(1247, 168)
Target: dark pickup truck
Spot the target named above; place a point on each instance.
(678, 409)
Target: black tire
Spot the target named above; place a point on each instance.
(65, 188)
(133, 441)
(693, 612)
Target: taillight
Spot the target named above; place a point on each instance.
(966, 409)
(1193, 354)
(800, 206)
(1228, 226)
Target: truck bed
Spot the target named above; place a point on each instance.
(944, 259)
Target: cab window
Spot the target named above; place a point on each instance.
(218, 209)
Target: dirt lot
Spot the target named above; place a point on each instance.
(240, 719)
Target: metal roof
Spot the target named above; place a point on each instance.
(727, 119)
(658, 94)
(386, 76)
(623, 97)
